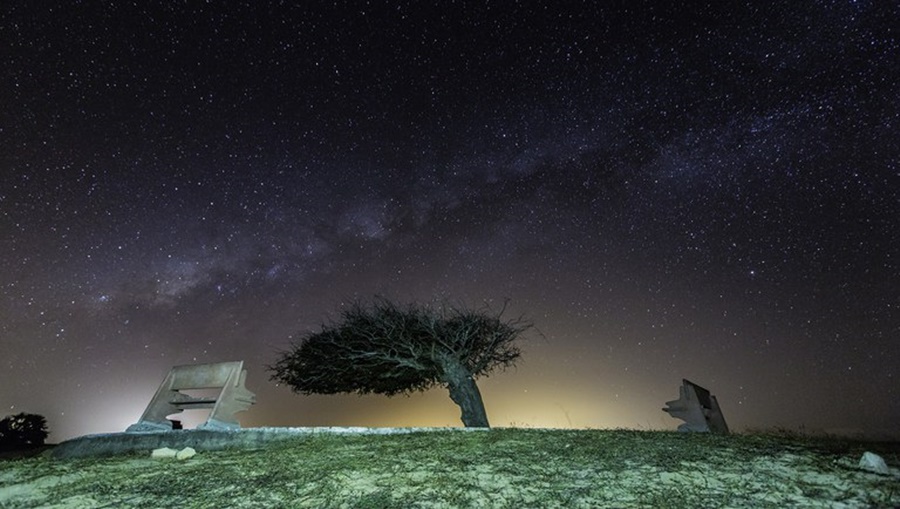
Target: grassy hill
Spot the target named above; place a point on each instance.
(495, 468)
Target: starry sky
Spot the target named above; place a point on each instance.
(668, 190)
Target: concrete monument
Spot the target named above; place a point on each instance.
(232, 397)
(698, 409)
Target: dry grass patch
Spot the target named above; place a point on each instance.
(490, 469)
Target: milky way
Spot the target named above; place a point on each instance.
(707, 193)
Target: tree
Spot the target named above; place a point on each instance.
(384, 348)
(22, 430)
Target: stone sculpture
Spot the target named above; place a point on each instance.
(233, 397)
(698, 408)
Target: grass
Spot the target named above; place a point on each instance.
(492, 469)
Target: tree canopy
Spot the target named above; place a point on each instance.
(384, 348)
(22, 431)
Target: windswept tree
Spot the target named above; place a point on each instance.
(387, 349)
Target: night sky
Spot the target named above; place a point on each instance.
(709, 192)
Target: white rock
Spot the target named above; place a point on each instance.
(873, 463)
(165, 452)
(186, 453)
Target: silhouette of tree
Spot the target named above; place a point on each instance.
(386, 349)
(22, 431)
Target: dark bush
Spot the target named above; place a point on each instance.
(22, 431)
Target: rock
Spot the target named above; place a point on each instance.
(186, 453)
(164, 452)
(873, 463)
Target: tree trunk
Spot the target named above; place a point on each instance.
(464, 392)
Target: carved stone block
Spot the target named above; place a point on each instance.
(698, 409)
(233, 397)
